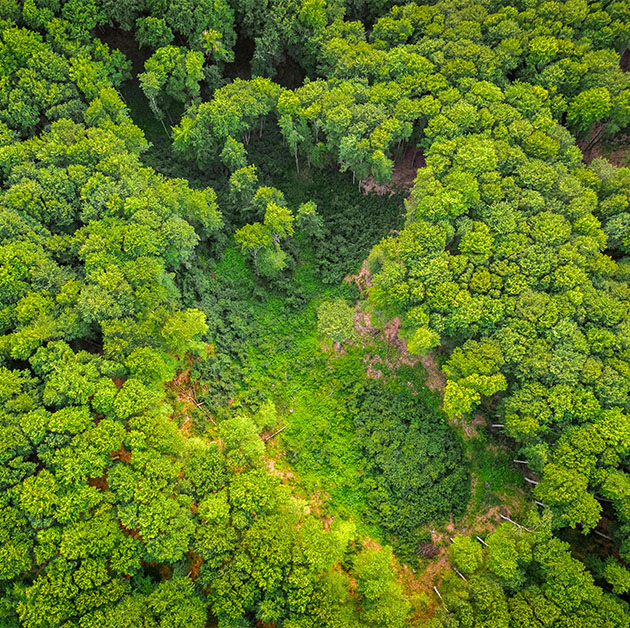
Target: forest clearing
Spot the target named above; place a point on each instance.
(314, 314)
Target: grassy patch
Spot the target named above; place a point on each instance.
(496, 477)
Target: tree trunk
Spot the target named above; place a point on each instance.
(165, 129)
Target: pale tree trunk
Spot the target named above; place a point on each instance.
(159, 115)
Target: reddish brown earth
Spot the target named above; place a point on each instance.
(403, 175)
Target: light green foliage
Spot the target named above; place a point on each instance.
(485, 255)
(279, 222)
(383, 606)
(243, 185)
(253, 237)
(90, 237)
(263, 197)
(271, 262)
(171, 72)
(204, 470)
(422, 341)
(265, 237)
(39, 80)
(233, 112)
(241, 443)
(267, 416)
(150, 365)
(206, 25)
(589, 107)
(234, 155)
(617, 576)
(176, 604)
(611, 186)
(309, 221)
(335, 321)
(465, 553)
(181, 329)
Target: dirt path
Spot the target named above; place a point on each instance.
(181, 387)
(435, 379)
(363, 279)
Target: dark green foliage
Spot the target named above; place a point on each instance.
(414, 471)
(352, 224)
(612, 186)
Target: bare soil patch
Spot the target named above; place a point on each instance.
(616, 151)
(283, 474)
(435, 379)
(100, 482)
(121, 454)
(403, 175)
(363, 279)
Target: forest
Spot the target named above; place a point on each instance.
(314, 314)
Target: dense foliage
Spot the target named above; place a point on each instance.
(503, 253)
(199, 424)
(414, 471)
(523, 578)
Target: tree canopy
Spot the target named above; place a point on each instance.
(179, 445)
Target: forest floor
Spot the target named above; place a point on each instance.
(616, 151)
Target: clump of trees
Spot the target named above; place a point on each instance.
(414, 471)
(262, 239)
(523, 577)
